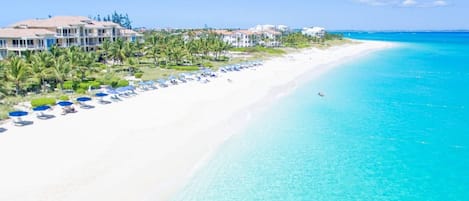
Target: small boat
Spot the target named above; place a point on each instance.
(321, 94)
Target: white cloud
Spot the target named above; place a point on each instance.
(405, 3)
(378, 2)
(409, 3)
(440, 3)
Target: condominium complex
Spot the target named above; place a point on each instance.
(317, 32)
(63, 31)
(264, 35)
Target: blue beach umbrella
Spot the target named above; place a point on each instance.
(161, 81)
(18, 114)
(112, 91)
(121, 89)
(101, 94)
(64, 103)
(83, 99)
(41, 108)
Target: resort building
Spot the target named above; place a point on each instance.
(63, 31)
(238, 38)
(318, 32)
(250, 38)
(268, 27)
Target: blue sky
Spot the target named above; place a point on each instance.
(332, 14)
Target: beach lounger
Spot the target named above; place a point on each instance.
(85, 106)
(68, 109)
(43, 116)
(20, 122)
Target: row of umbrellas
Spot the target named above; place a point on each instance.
(41, 108)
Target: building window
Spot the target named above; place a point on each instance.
(3, 43)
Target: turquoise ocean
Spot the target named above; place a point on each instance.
(394, 125)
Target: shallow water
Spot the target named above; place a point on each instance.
(392, 126)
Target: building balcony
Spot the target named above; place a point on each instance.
(24, 47)
(68, 45)
(92, 44)
(68, 35)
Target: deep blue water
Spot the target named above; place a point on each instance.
(394, 125)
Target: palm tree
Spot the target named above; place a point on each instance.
(3, 90)
(62, 70)
(87, 64)
(17, 72)
(117, 51)
(153, 47)
(105, 50)
(41, 63)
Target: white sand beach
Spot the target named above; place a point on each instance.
(147, 147)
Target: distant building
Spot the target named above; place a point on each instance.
(237, 38)
(63, 31)
(268, 27)
(318, 32)
(250, 38)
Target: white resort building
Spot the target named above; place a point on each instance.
(63, 31)
(250, 38)
(318, 32)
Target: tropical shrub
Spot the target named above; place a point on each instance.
(95, 84)
(69, 85)
(80, 91)
(222, 58)
(42, 101)
(185, 68)
(207, 64)
(83, 85)
(122, 83)
(64, 98)
(4, 111)
(138, 75)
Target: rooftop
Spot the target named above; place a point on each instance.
(24, 33)
(62, 21)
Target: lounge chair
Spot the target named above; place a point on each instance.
(68, 109)
(42, 116)
(20, 122)
(83, 105)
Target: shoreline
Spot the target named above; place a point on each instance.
(148, 147)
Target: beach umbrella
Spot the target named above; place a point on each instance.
(64, 103)
(161, 81)
(101, 94)
(17, 113)
(83, 99)
(112, 91)
(120, 89)
(41, 108)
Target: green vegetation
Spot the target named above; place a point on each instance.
(64, 98)
(298, 40)
(4, 109)
(122, 83)
(138, 75)
(43, 101)
(119, 18)
(259, 49)
(52, 73)
(184, 68)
